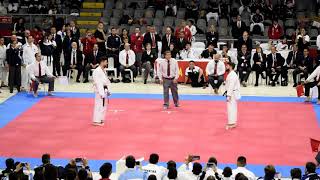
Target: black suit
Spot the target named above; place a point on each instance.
(275, 68)
(304, 66)
(292, 59)
(78, 63)
(91, 59)
(212, 38)
(236, 31)
(165, 43)
(14, 61)
(259, 68)
(180, 44)
(244, 66)
(148, 39)
(206, 54)
(56, 55)
(248, 43)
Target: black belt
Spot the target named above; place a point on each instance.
(103, 99)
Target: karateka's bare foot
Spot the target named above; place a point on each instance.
(98, 124)
(308, 99)
(230, 126)
(35, 94)
(50, 93)
(216, 91)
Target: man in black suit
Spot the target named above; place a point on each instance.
(292, 57)
(245, 40)
(259, 64)
(181, 42)
(56, 52)
(14, 61)
(304, 66)
(113, 46)
(275, 67)
(153, 38)
(167, 39)
(244, 65)
(74, 60)
(238, 28)
(209, 52)
(91, 61)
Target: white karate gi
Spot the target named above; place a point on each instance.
(233, 90)
(100, 80)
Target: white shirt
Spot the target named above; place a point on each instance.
(210, 172)
(186, 167)
(100, 80)
(156, 170)
(232, 85)
(29, 52)
(188, 175)
(244, 171)
(34, 69)
(163, 69)
(221, 69)
(318, 42)
(187, 54)
(193, 30)
(3, 54)
(123, 56)
(314, 74)
(18, 44)
(306, 37)
(195, 69)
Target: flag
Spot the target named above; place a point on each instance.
(300, 90)
(314, 145)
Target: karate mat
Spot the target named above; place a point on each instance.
(271, 130)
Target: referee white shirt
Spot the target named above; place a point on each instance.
(220, 68)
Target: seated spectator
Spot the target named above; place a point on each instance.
(238, 27)
(91, 61)
(127, 59)
(40, 73)
(269, 173)
(212, 169)
(304, 66)
(193, 29)
(215, 71)
(153, 38)
(209, 52)
(311, 172)
(303, 40)
(13, 6)
(225, 54)
(257, 20)
(185, 29)
(195, 75)
(244, 65)
(174, 52)
(282, 45)
(181, 41)
(296, 174)
(241, 169)
(153, 169)
(187, 52)
(125, 41)
(275, 31)
(212, 36)
(291, 60)
(67, 41)
(245, 40)
(148, 58)
(195, 174)
(132, 172)
(275, 67)
(167, 39)
(74, 60)
(310, 82)
(171, 8)
(105, 171)
(227, 173)
(19, 27)
(259, 64)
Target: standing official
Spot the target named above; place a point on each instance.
(56, 52)
(29, 51)
(14, 61)
(168, 74)
(102, 90)
(215, 70)
(113, 46)
(3, 63)
(233, 95)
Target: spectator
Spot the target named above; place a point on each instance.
(181, 41)
(14, 60)
(195, 75)
(105, 171)
(171, 8)
(38, 172)
(91, 61)
(225, 54)
(152, 177)
(174, 52)
(296, 174)
(185, 29)
(113, 44)
(275, 67)
(212, 169)
(66, 43)
(311, 172)
(238, 27)
(36, 33)
(227, 173)
(75, 30)
(56, 51)
(172, 174)
(192, 10)
(275, 31)
(209, 52)
(303, 40)
(269, 173)
(25, 36)
(153, 38)
(292, 57)
(167, 39)
(127, 60)
(187, 52)
(212, 36)
(47, 46)
(241, 176)
(101, 37)
(304, 66)
(318, 43)
(244, 65)
(153, 169)
(244, 6)
(192, 28)
(259, 66)
(13, 6)
(125, 35)
(28, 56)
(245, 40)
(21, 172)
(137, 46)
(215, 71)
(257, 20)
(18, 27)
(241, 168)
(9, 168)
(195, 174)
(88, 42)
(84, 174)
(74, 60)
(132, 172)
(148, 59)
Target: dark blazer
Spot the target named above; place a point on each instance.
(66, 44)
(290, 58)
(206, 54)
(13, 57)
(180, 45)
(247, 58)
(148, 57)
(237, 32)
(305, 62)
(174, 53)
(256, 58)
(248, 43)
(280, 61)
(68, 60)
(147, 39)
(212, 38)
(58, 41)
(90, 58)
(165, 46)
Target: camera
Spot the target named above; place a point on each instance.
(138, 163)
(195, 158)
(23, 164)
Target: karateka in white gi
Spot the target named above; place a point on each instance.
(233, 95)
(101, 85)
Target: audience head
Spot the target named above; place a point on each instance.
(181, 34)
(227, 172)
(10, 163)
(148, 46)
(71, 174)
(183, 24)
(45, 157)
(53, 30)
(105, 170)
(305, 52)
(225, 49)
(241, 176)
(38, 59)
(88, 33)
(130, 161)
(154, 158)
(13, 38)
(152, 29)
(188, 45)
(72, 24)
(310, 167)
(302, 31)
(167, 55)
(269, 172)
(68, 33)
(273, 49)
(30, 39)
(190, 22)
(211, 178)
(1, 40)
(242, 161)
(82, 174)
(238, 18)
(50, 172)
(100, 26)
(295, 173)
(127, 46)
(258, 49)
(210, 47)
(171, 164)
(213, 160)
(245, 35)
(74, 45)
(244, 48)
(137, 30)
(257, 11)
(152, 177)
(216, 58)
(191, 64)
(172, 173)
(124, 31)
(197, 168)
(103, 61)
(95, 47)
(26, 33)
(168, 30)
(171, 46)
(275, 22)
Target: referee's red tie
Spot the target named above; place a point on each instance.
(168, 68)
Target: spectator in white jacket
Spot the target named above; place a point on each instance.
(241, 163)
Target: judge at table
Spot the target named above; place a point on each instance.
(215, 70)
(39, 73)
(209, 52)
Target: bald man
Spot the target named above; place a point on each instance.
(127, 59)
(215, 70)
(74, 60)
